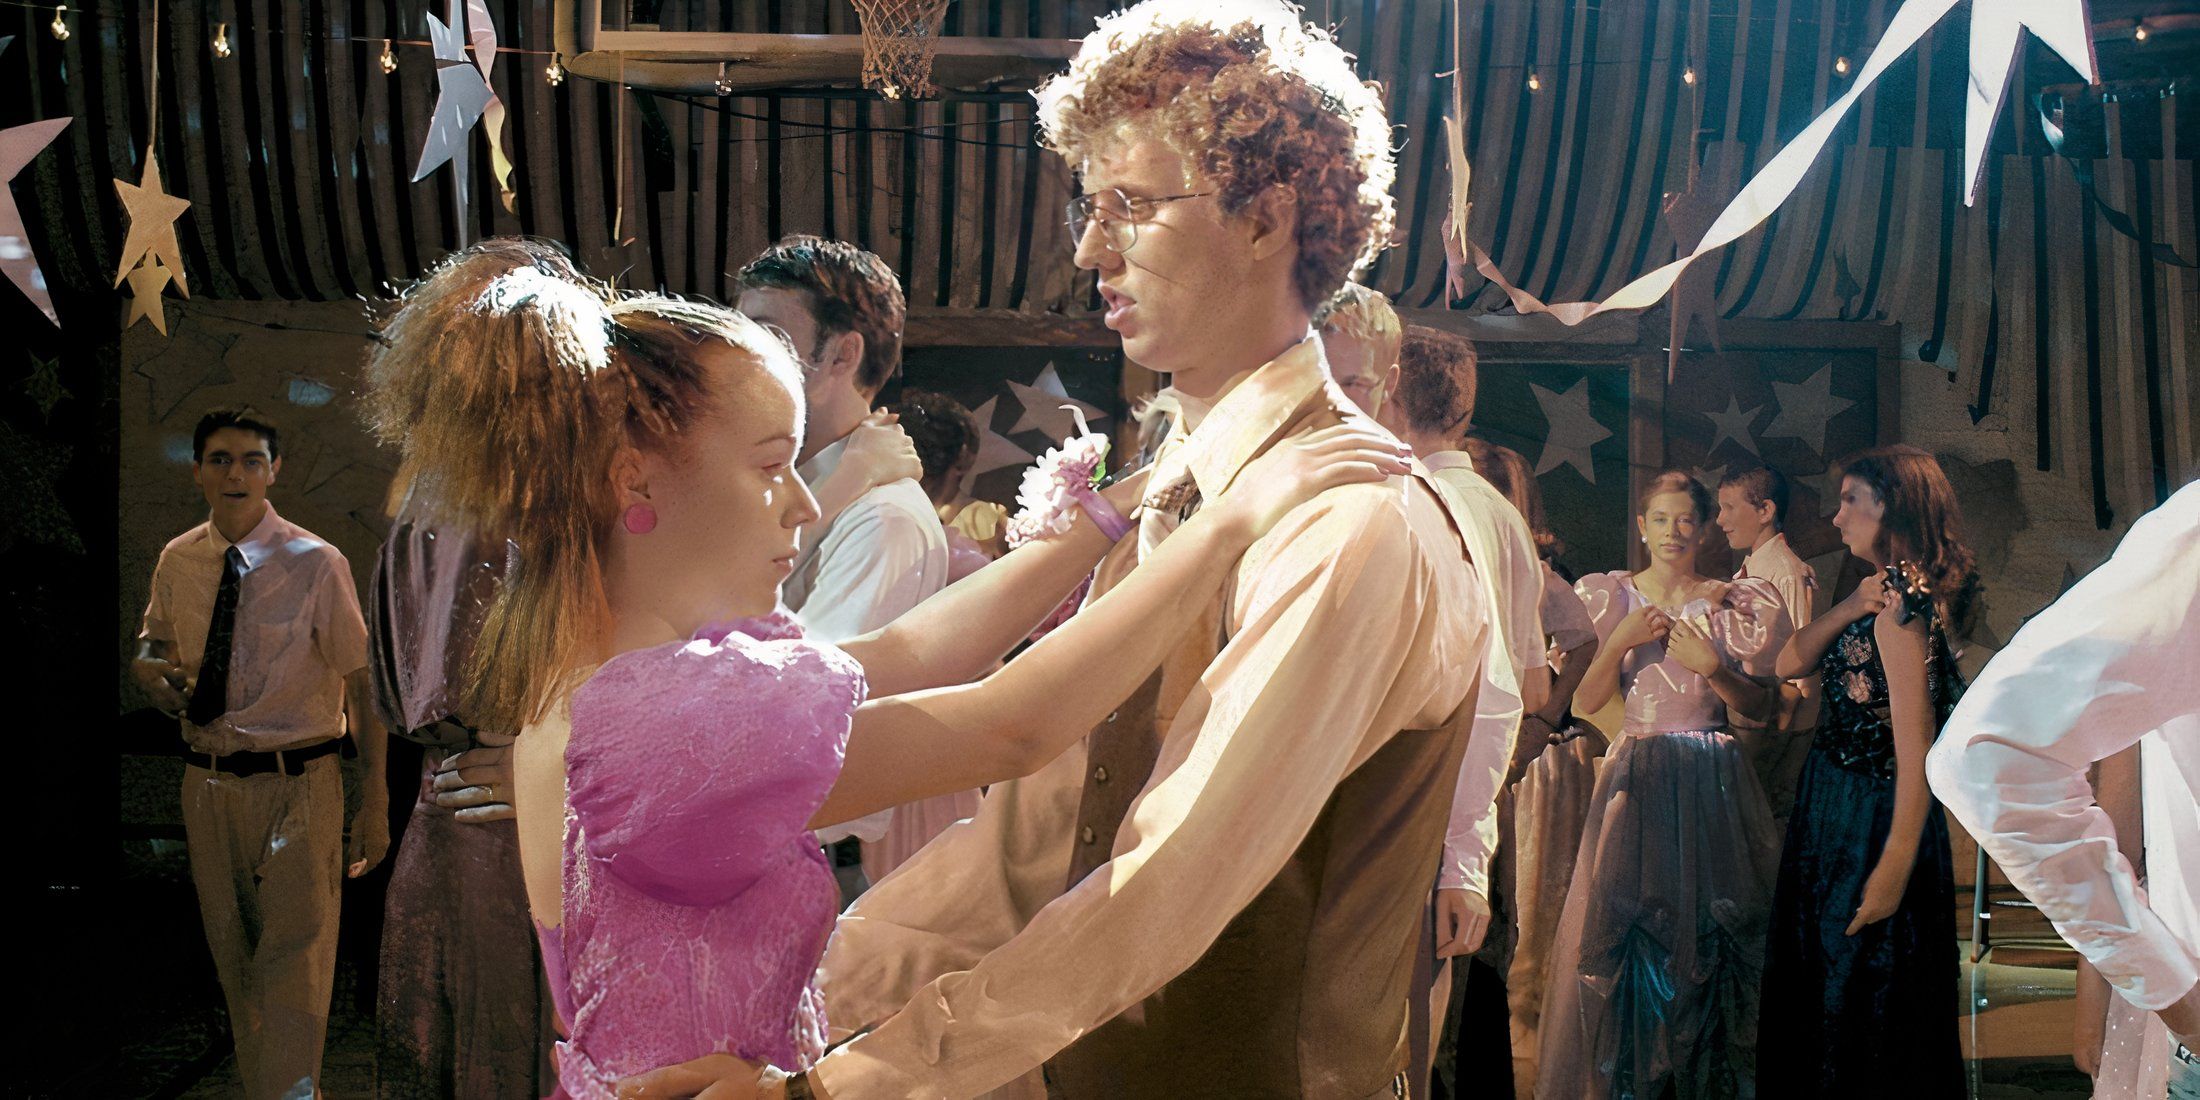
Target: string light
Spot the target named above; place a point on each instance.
(59, 27)
(1841, 65)
(389, 57)
(724, 83)
(1534, 85)
(221, 40)
(555, 71)
(1688, 75)
(2140, 33)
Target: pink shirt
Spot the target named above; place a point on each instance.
(298, 632)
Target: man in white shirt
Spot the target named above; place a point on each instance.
(254, 640)
(2111, 663)
(842, 309)
(1753, 513)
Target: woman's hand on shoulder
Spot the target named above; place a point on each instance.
(1299, 468)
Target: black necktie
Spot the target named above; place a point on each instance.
(210, 699)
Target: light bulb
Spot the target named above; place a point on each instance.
(724, 84)
(555, 71)
(1841, 65)
(2139, 35)
(1688, 75)
(389, 57)
(59, 27)
(222, 47)
(1534, 85)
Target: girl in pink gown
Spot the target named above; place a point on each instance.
(681, 738)
(1653, 977)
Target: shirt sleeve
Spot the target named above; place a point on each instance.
(159, 624)
(1470, 840)
(872, 567)
(1565, 621)
(1257, 748)
(2097, 670)
(339, 629)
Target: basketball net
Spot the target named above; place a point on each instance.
(898, 39)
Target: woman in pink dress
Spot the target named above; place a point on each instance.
(680, 737)
(1653, 977)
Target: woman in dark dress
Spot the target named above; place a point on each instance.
(1860, 987)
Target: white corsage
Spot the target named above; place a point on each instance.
(1064, 480)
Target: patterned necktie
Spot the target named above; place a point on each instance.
(210, 699)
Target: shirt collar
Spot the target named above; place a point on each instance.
(822, 464)
(1774, 549)
(1247, 418)
(256, 546)
(1449, 460)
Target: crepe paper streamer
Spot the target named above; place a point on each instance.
(482, 31)
(2050, 124)
(2062, 24)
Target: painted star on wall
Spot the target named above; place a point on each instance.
(994, 449)
(1042, 403)
(1733, 424)
(1573, 430)
(1806, 409)
(1709, 476)
(152, 213)
(44, 387)
(18, 144)
(1827, 484)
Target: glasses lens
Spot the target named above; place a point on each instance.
(1117, 229)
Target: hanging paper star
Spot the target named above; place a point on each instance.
(1695, 297)
(994, 449)
(152, 213)
(1573, 430)
(18, 145)
(1806, 409)
(461, 97)
(482, 31)
(2062, 24)
(44, 385)
(1733, 424)
(145, 284)
(1042, 404)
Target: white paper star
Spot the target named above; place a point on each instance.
(461, 96)
(1733, 424)
(2062, 24)
(18, 144)
(1042, 403)
(1573, 430)
(994, 449)
(1806, 409)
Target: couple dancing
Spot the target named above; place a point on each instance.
(1204, 862)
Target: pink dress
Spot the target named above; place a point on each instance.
(697, 903)
(1652, 979)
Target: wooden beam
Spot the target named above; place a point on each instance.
(1004, 328)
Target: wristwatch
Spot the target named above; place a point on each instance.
(798, 1086)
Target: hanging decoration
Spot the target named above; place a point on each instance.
(222, 48)
(1995, 27)
(146, 282)
(461, 97)
(18, 144)
(151, 213)
(2082, 168)
(59, 26)
(483, 33)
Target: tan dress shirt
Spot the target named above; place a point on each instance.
(1777, 563)
(1349, 622)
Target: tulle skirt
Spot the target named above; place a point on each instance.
(1655, 969)
(1550, 807)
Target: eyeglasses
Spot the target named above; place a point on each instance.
(1118, 215)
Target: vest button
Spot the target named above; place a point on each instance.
(1100, 774)
(1113, 715)
(1398, 1085)
(1087, 835)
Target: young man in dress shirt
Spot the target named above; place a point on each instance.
(842, 309)
(1753, 508)
(2108, 665)
(1223, 890)
(253, 638)
(1429, 403)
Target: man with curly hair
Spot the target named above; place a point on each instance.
(1224, 890)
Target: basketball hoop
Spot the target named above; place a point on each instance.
(898, 39)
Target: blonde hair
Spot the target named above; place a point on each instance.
(1365, 315)
(1254, 98)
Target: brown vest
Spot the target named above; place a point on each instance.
(1307, 992)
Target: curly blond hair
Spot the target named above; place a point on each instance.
(1364, 315)
(1255, 98)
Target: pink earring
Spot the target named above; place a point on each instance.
(641, 519)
